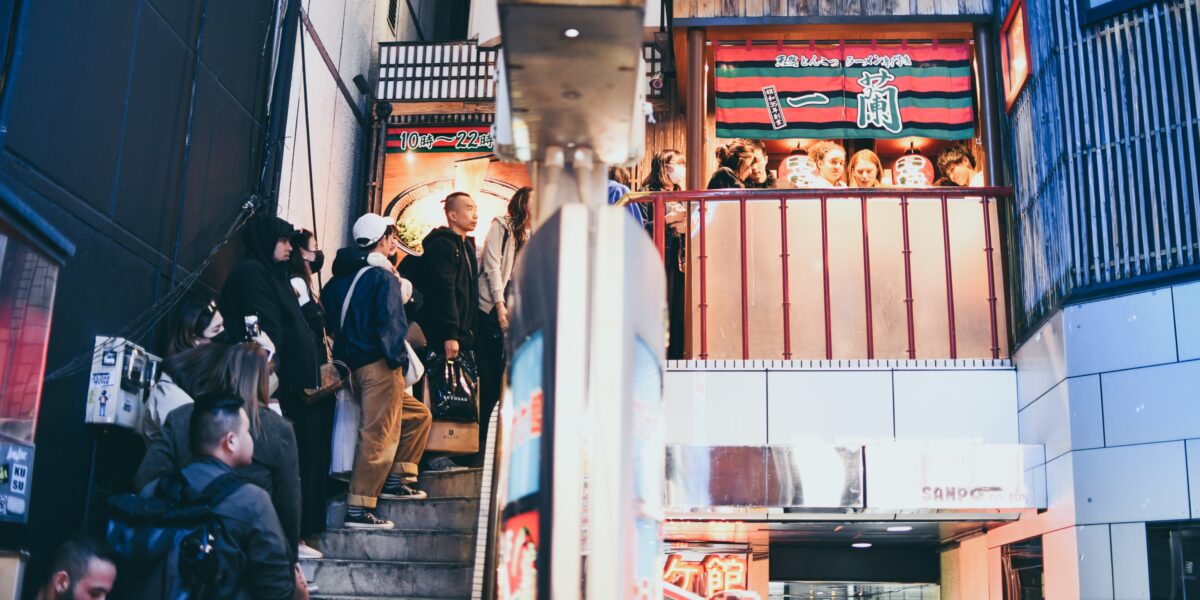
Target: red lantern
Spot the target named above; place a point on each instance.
(800, 170)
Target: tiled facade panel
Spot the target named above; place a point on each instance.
(1187, 320)
(1146, 482)
(1120, 333)
(1068, 417)
(842, 407)
(1131, 581)
(716, 408)
(970, 406)
(1152, 404)
(1041, 361)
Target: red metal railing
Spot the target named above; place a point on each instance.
(940, 226)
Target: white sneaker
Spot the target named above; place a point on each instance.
(308, 552)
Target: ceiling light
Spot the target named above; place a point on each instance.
(571, 33)
(860, 545)
(899, 528)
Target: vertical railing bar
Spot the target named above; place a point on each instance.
(825, 278)
(745, 292)
(991, 276)
(659, 225)
(703, 285)
(949, 276)
(783, 256)
(908, 292)
(867, 282)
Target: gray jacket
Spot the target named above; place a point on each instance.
(249, 518)
(276, 466)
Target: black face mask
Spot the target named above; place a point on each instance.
(319, 261)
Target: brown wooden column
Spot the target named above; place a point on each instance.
(989, 107)
(697, 107)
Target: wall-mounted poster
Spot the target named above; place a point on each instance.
(883, 90)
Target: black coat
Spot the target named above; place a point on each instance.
(259, 286)
(724, 178)
(450, 283)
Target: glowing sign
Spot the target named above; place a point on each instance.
(716, 573)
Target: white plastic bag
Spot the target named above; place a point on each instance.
(345, 433)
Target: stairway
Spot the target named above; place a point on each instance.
(429, 555)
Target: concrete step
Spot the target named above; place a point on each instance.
(432, 513)
(398, 579)
(451, 484)
(399, 544)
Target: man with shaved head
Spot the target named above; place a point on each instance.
(451, 279)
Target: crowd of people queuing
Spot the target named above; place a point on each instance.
(237, 417)
(237, 396)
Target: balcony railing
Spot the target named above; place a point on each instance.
(460, 72)
(841, 273)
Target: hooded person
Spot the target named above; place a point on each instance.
(258, 285)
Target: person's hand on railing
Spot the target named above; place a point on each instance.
(676, 217)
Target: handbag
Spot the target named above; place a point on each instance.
(453, 387)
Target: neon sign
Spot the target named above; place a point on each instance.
(440, 139)
(716, 573)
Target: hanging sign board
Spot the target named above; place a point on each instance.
(466, 138)
(883, 91)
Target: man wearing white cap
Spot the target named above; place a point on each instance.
(364, 310)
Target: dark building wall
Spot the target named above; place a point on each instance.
(1103, 143)
(94, 135)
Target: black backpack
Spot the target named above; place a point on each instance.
(174, 542)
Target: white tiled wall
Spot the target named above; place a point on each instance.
(1187, 320)
(1131, 580)
(1120, 333)
(839, 407)
(1147, 482)
(1152, 404)
(1112, 389)
(972, 406)
(757, 407)
(1068, 417)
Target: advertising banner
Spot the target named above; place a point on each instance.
(882, 90)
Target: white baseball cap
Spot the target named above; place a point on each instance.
(369, 228)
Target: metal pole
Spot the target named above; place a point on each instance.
(697, 107)
(989, 122)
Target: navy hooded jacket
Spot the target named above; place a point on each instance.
(375, 325)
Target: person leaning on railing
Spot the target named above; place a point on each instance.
(668, 171)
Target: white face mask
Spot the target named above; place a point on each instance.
(677, 174)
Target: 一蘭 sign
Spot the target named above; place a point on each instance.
(878, 90)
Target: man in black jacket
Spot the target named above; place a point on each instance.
(258, 285)
(451, 279)
(364, 311)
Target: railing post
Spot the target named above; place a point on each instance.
(783, 256)
(949, 277)
(825, 278)
(908, 292)
(745, 292)
(703, 285)
(867, 281)
(659, 225)
(991, 276)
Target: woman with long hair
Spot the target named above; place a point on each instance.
(506, 237)
(865, 170)
(196, 324)
(244, 371)
(668, 173)
(313, 421)
(185, 374)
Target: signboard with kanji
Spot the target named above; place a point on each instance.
(882, 90)
(466, 138)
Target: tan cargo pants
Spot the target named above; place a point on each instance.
(392, 432)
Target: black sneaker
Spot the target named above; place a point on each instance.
(367, 520)
(402, 492)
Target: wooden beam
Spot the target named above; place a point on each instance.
(443, 107)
